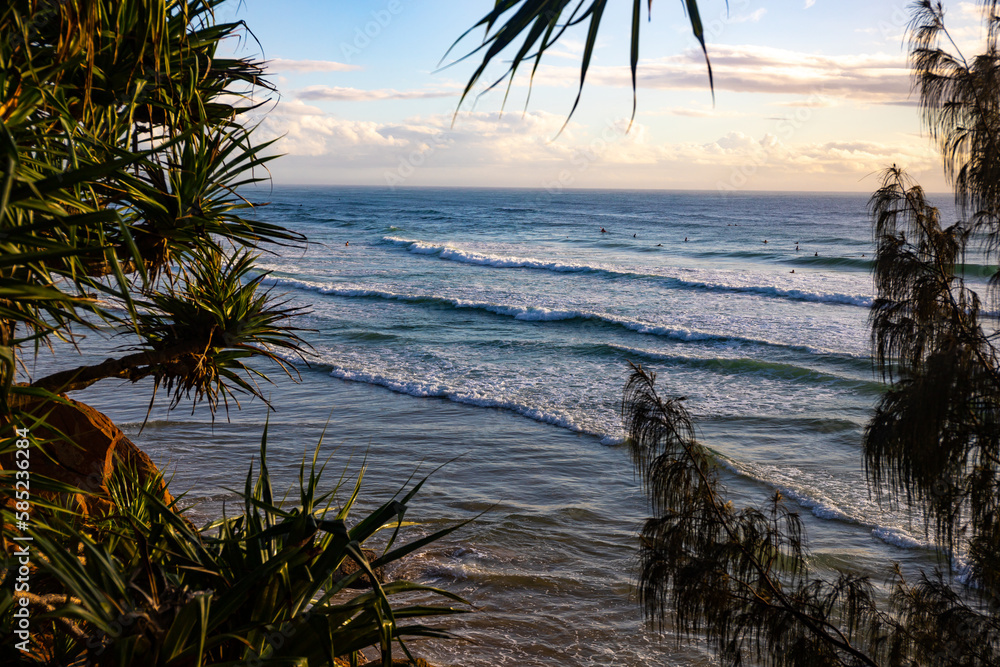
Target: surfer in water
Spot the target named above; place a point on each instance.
(603, 230)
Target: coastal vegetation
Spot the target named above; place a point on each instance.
(123, 152)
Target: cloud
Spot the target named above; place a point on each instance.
(873, 78)
(808, 4)
(286, 65)
(481, 137)
(815, 102)
(752, 17)
(970, 10)
(487, 148)
(297, 108)
(340, 93)
(695, 112)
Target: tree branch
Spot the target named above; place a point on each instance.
(132, 367)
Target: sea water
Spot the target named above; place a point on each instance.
(491, 331)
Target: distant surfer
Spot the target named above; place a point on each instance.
(659, 245)
(346, 243)
(815, 254)
(685, 239)
(792, 271)
(603, 230)
(633, 236)
(765, 241)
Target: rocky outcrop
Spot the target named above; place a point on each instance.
(79, 446)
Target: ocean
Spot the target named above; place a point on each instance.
(489, 331)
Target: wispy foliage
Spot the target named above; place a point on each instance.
(739, 576)
(935, 437)
(960, 103)
(933, 444)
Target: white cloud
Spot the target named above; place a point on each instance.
(286, 65)
(970, 10)
(695, 112)
(752, 17)
(298, 108)
(340, 93)
(876, 78)
(809, 3)
(520, 150)
(815, 102)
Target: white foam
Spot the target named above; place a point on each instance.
(727, 283)
(468, 257)
(441, 390)
(898, 537)
(824, 508)
(538, 313)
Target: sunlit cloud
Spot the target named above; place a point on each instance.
(970, 10)
(286, 65)
(695, 112)
(815, 102)
(752, 17)
(870, 78)
(343, 94)
(520, 150)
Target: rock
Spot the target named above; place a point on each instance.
(349, 567)
(80, 446)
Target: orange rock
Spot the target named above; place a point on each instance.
(79, 446)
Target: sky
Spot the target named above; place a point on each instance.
(809, 95)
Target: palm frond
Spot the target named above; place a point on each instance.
(529, 28)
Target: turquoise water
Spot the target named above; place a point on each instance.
(496, 325)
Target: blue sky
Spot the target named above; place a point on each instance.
(810, 95)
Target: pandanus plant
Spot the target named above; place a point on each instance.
(267, 586)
